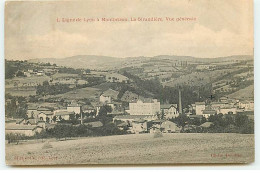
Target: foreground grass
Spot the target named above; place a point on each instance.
(137, 149)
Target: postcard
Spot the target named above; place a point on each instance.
(131, 82)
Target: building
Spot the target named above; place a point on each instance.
(74, 107)
(169, 127)
(208, 113)
(205, 67)
(32, 111)
(199, 107)
(223, 99)
(144, 107)
(63, 115)
(129, 96)
(45, 116)
(108, 96)
(115, 77)
(27, 130)
(139, 126)
(88, 109)
(169, 110)
(247, 105)
(228, 110)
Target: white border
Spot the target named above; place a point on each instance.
(254, 166)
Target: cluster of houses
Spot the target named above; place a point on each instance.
(142, 115)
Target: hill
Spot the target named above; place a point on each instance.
(110, 63)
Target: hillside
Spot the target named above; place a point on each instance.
(110, 63)
(82, 61)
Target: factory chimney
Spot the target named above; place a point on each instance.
(180, 107)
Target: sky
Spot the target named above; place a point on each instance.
(221, 28)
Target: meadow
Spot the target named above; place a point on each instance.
(176, 148)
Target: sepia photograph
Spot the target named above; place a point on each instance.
(131, 82)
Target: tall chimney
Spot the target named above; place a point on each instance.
(180, 107)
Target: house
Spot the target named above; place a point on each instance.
(169, 127)
(139, 126)
(45, 116)
(217, 105)
(32, 111)
(169, 110)
(74, 107)
(116, 107)
(115, 77)
(247, 105)
(208, 112)
(199, 107)
(223, 99)
(97, 106)
(88, 109)
(123, 126)
(23, 129)
(228, 110)
(144, 107)
(63, 115)
(129, 96)
(205, 67)
(40, 73)
(108, 96)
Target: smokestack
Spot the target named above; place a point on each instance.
(81, 117)
(180, 107)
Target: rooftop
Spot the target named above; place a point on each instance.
(133, 116)
(21, 127)
(94, 124)
(199, 103)
(63, 113)
(167, 106)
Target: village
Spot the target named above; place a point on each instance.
(130, 112)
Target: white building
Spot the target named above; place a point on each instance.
(108, 96)
(199, 107)
(247, 105)
(27, 130)
(145, 107)
(228, 110)
(63, 115)
(169, 110)
(74, 107)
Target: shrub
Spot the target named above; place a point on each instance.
(157, 135)
(46, 145)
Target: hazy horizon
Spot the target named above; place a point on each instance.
(129, 57)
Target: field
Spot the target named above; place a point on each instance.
(88, 92)
(136, 149)
(244, 93)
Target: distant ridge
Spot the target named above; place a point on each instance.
(106, 62)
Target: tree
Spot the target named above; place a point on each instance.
(20, 74)
(54, 118)
(241, 120)
(182, 120)
(47, 119)
(108, 108)
(72, 117)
